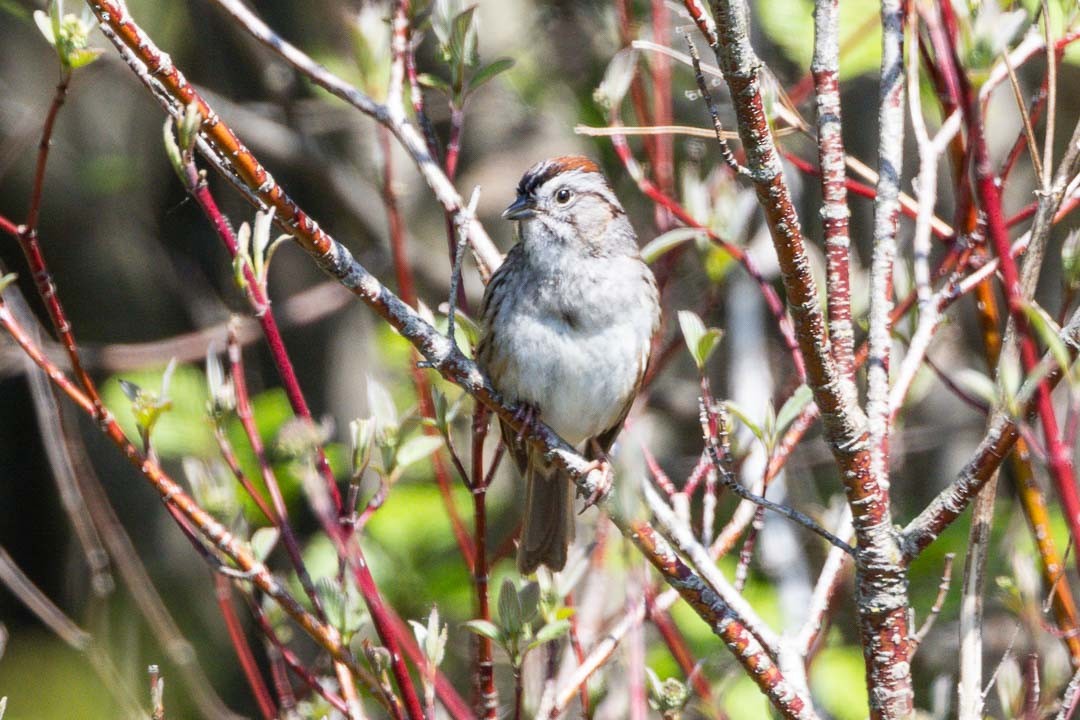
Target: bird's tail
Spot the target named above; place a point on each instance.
(548, 527)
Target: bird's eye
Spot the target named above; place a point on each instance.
(563, 196)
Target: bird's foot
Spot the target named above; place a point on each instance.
(605, 481)
(527, 414)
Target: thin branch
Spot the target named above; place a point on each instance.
(835, 212)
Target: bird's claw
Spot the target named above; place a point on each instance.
(603, 484)
(526, 414)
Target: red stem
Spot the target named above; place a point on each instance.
(989, 192)
(776, 306)
(261, 305)
(27, 235)
(243, 649)
(43, 150)
(660, 67)
(487, 698)
(280, 517)
(362, 574)
(229, 455)
(291, 660)
(853, 186)
(407, 288)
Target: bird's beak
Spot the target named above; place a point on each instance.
(520, 209)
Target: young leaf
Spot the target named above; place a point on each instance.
(485, 628)
(45, 25)
(666, 242)
(435, 639)
(509, 608)
(701, 341)
(793, 406)
(362, 431)
(738, 412)
(529, 597)
(7, 280)
(550, 632)
(417, 448)
(434, 82)
(617, 78)
(381, 405)
(978, 385)
(1048, 331)
(489, 71)
(1070, 259)
(263, 541)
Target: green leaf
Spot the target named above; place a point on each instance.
(381, 405)
(172, 150)
(1070, 259)
(529, 597)
(417, 448)
(463, 38)
(83, 57)
(510, 608)
(666, 242)
(793, 406)
(550, 632)
(701, 341)
(485, 628)
(435, 83)
(489, 71)
(6, 280)
(362, 432)
(435, 639)
(738, 412)
(1048, 331)
(263, 541)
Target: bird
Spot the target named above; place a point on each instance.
(567, 323)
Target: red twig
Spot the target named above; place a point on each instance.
(677, 645)
(43, 149)
(988, 190)
(223, 592)
(290, 659)
(772, 300)
(350, 550)
(834, 211)
(487, 698)
(407, 287)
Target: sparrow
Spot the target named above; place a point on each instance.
(567, 323)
